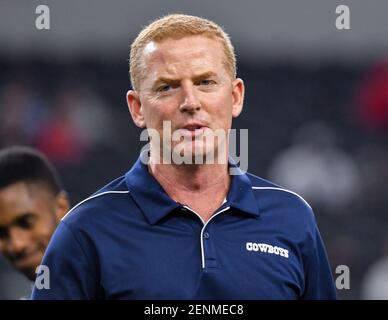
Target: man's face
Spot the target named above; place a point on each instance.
(186, 83)
(28, 217)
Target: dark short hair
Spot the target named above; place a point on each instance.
(25, 164)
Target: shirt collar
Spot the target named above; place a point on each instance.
(156, 203)
(240, 195)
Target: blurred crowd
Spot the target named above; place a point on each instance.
(319, 129)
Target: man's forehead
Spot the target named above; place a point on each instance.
(162, 59)
(14, 191)
(20, 198)
(22, 194)
(193, 46)
(150, 48)
(15, 199)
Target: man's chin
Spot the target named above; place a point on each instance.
(196, 157)
(28, 269)
(29, 272)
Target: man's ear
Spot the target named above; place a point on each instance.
(134, 106)
(62, 205)
(238, 91)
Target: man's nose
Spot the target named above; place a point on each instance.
(190, 103)
(18, 240)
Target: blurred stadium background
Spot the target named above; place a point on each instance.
(316, 107)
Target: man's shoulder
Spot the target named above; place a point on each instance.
(99, 202)
(261, 182)
(284, 206)
(271, 193)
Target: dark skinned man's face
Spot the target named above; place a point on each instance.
(29, 214)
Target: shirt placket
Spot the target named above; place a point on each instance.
(208, 252)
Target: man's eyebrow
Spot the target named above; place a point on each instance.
(168, 80)
(165, 80)
(17, 220)
(22, 216)
(205, 75)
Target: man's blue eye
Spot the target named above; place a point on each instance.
(206, 82)
(164, 88)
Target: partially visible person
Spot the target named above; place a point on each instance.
(32, 202)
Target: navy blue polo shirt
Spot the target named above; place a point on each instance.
(130, 240)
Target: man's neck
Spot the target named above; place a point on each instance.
(201, 187)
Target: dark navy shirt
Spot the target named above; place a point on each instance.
(130, 240)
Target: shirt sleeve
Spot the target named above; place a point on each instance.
(319, 284)
(71, 270)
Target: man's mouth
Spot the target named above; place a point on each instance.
(192, 129)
